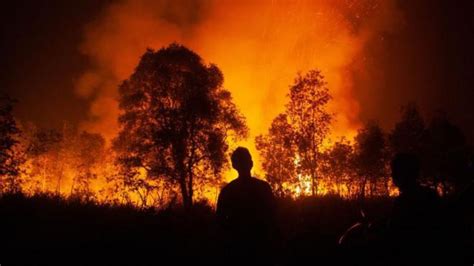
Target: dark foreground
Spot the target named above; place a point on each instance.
(49, 230)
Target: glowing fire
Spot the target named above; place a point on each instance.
(158, 193)
(259, 46)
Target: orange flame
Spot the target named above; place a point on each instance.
(260, 46)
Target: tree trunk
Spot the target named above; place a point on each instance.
(314, 184)
(190, 192)
(185, 193)
(72, 186)
(190, 187)
(58, 184)
(362, 189)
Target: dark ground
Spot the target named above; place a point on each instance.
(49, 230)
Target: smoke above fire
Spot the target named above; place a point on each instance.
(260, 46)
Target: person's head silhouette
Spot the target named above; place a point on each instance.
(242, 161)
(405, 170)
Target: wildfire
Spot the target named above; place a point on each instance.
(260, 46)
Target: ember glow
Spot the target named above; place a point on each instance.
(260, 46)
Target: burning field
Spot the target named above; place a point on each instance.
(130, 128)
(263, 50)
(260, 47)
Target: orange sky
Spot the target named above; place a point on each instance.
(260, 46)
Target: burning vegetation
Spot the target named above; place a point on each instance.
(131, 113)
(178, 124)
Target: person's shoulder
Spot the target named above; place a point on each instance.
(230, 186)
(261, 183)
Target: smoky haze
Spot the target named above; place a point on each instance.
(64, 60)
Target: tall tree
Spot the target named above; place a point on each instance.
(307, 115)
(44, 158)
(9, 155)
(176, 118)
(89, 150)
(446, 154)
(337, 167)
(370, 159)
(278, 155)
(409, 133)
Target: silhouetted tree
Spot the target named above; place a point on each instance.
(446, 154)
(43, 153)
(175, 119)
(338, 166)
(310, 121)
(441, 146)
(89, 150)
(278, 155)
(371, 158)
(66, 155)
(409, 133)
(62, 161)
(9, 157)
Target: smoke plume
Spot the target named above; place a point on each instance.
(260, 46)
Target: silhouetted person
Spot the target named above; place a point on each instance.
(415, 221)
(245, 211)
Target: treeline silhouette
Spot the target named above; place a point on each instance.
(176, 125)
(149, 196)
